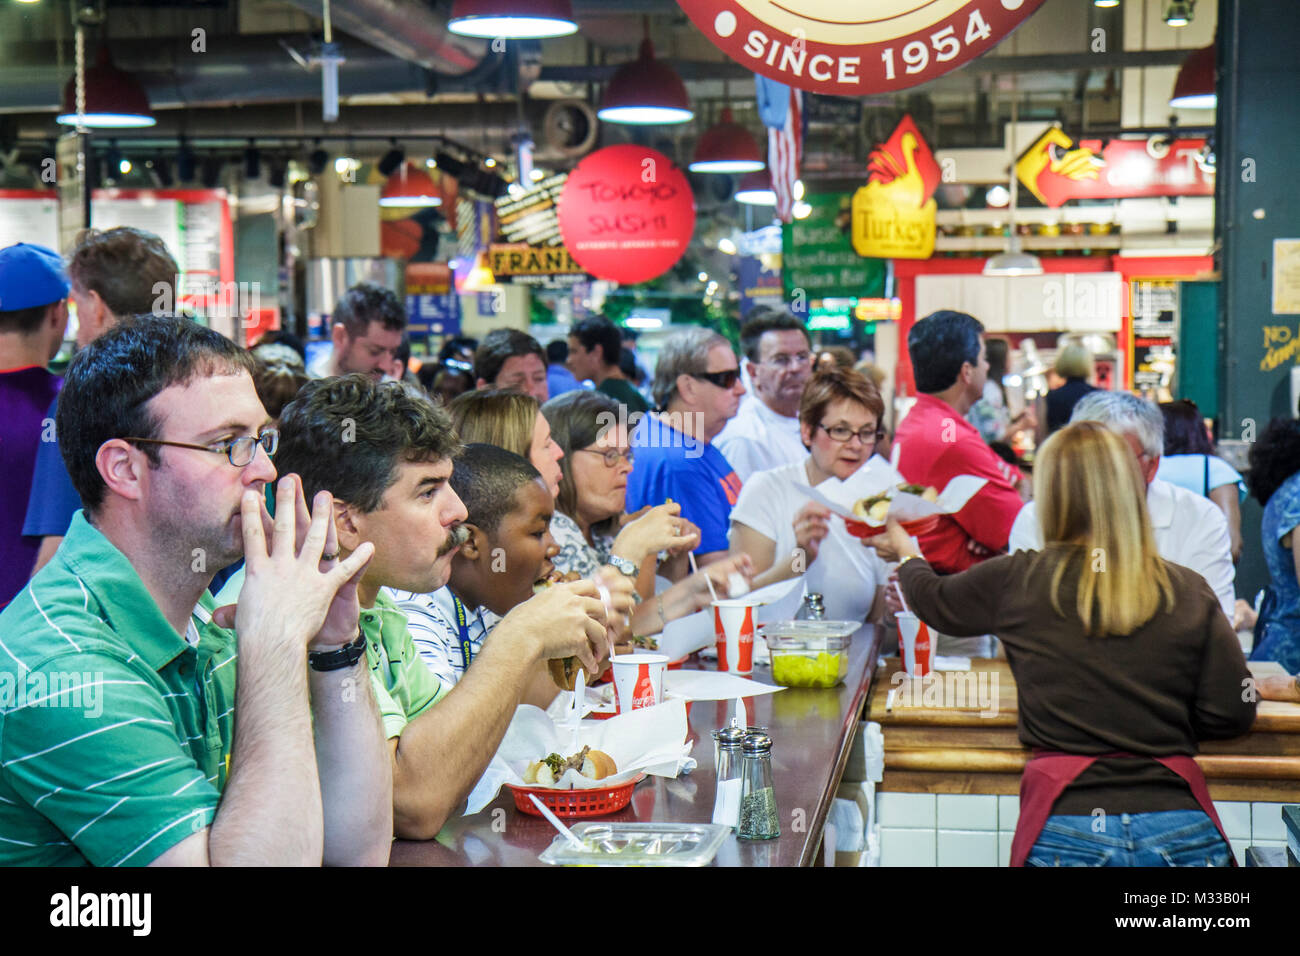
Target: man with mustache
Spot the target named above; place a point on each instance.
(386, 453)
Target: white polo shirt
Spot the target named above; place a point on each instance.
(1189, 530)
(758, 439)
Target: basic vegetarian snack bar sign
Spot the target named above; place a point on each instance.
(855, 47)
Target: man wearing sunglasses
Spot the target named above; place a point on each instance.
(697, 387)
(765, 432)
(125, 746)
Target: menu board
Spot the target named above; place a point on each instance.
(531, 217)
(1153, 358)
(29, 215)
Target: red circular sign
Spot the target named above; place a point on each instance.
(627, 213)
(855, 47)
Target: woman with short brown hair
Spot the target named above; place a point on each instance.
(788, 535)
(1122, 663)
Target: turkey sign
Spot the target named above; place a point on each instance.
(627, 213)
(894, 213)
(855, 47)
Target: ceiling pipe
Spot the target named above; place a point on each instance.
(414, 32)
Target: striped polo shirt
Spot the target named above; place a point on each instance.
(115, 732)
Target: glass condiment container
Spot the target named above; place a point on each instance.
(730, 764)
(759, 818)
(812, 608)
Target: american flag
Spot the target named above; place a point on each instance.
(785, 150)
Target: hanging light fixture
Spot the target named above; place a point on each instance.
(114, 98)
(755, 189)
(726, 147)
(644, 92)
(513, 19)
(1179, 13)
(1013, 262)
(410, 186)
(1194, 88)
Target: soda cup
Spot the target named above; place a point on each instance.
(639, 680)
(733, 626)
(915, 644)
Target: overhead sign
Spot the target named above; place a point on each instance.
(894, 213)
(530, 216)
(524, 260)
(627, 213)
(855, 47)
(819, 260)
(1057, 170)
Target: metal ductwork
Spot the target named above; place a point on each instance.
(411, 30)
(246, 69)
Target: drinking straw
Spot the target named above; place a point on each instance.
(695, 569)
(901, 600)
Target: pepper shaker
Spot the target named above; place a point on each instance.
(759, 818)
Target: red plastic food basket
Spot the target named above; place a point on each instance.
(860, 529)
(576, 803)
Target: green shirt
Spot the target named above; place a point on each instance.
(623, 391)
(115, 732)
(403, 684)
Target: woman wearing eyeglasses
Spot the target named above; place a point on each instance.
(786, 534)
(590, 526)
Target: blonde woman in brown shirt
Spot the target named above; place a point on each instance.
(1122, 663)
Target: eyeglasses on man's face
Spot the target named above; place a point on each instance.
(239, 451)
(868, 436)
(611, 455)
(725, 379)
(785, 360)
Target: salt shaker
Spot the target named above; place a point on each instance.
(726, 801)
(759, 819)
(812, 608)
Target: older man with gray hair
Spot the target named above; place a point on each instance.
(697, 389)
(1189, 530)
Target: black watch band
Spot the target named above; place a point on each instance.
(345, 656)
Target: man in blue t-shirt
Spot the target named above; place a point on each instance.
(697, 384)
(114, 273)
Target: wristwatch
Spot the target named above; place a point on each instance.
(338, 658)
(623, 566)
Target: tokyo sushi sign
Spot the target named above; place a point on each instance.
(855, 47)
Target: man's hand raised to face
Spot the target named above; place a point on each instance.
(290, 591)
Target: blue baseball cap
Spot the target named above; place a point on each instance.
(31, 275)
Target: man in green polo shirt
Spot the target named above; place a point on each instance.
(133, 729)
(385, 452)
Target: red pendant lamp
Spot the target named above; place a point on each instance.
(410, 186)
(1194, 89)
(645, 92)
(115, 99)
(513, 19)
(726, 147)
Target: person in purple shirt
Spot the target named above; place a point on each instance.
(33, 318)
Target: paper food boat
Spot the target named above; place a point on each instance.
(878, 476)
(650, 740)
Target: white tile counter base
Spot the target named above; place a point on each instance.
(969, 829)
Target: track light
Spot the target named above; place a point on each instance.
(391, 160)
(1179, 13)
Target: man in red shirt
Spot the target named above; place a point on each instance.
(949, 364)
